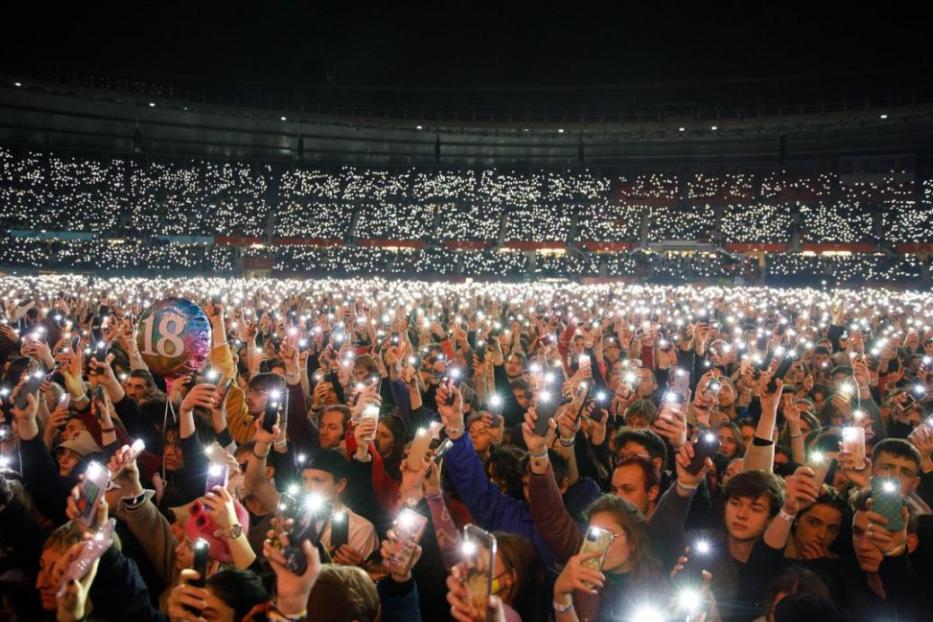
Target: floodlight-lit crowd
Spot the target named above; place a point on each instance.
(136, 257)
(368, 449)
(139, 196)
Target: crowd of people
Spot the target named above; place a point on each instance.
(136, 196)
(354, 450)
(128, 256)
(116, 255)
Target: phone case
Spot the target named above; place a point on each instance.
(339, 529)
(96, 478)
(546, 409)
(596, 540)
(419, 447)
(409, 527)
(370, 412)
(681, 382)
(853, 441)
(309, 525)
(781, 371)
(30, 386)
(585, 388)
(691, 577)
(480, 553)
(705, 447)
(442, 449)
(269, 419)
(888, 503)
(217, 475)
(92, 551)
(199, 564)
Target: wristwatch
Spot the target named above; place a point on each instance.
(234, 532)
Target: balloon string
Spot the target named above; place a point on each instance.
(168, 408)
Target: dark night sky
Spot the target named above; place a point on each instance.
(468, 43)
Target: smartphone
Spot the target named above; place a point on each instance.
(217, 475)
(888, 501)
(100, 352)
(339, 529)
(138, 446)
(479, 551)
(583, 395)
(820, 463)
(451, 388)
(441, 450)
(289, 505)
(546, 407)
(307, 526)
(199, 565)
(673, 397)
(419, 448)
(96, 479)
(409, 527)
(699, 558)
(271, 416)
(92, 551)
(681, 382)
(705, 447)
(781, 371)
(96, 333)
(226, 389)
(853, 442)
(596, 540)
(371, 412)
(32, 384)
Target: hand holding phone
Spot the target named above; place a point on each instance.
(479, 552)
(309, 525)
(419, 448)
(706, 446)
(91, 490)
(853, 443)
(91, 551)
(407, 531)
(199, 565)
(596, 540)
(339, 529)
(217, 475)
(888, 501)
(31, 386)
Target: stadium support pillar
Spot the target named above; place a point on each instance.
(354, 220)
(717, 223)
(877, 226)
(572, 230)
(925, 269)
(270, 227)
(435, 223)
(273, 201)
(643, 233)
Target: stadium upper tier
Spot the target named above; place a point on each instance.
(142, 196)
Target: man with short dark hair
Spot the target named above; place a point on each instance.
(333, 423)
(636, 480)
(748, 554)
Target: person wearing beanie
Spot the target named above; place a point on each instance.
(325, 474)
